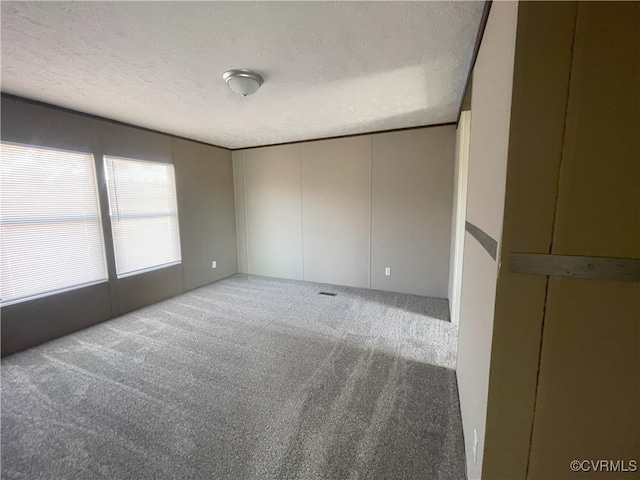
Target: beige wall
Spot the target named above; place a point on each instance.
(273, 206)
(412, 195)
(336, 204)
(206, 216)
(490, 118)
(588, 396)
(541, 78)
(204, 176)
(340, 211)
(137, 291)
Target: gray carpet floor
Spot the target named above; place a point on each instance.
(246, 378)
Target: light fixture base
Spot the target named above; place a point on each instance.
(243, 82)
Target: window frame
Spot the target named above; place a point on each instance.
(99, 220)
(107, 175)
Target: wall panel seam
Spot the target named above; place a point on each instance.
(246, 218)
(236, 204)
(370, 202)
(301, 213)
(554, 220)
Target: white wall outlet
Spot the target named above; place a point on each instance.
(214, 264)
(475, 446)
(387, 271)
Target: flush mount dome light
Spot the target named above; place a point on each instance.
(243, 82)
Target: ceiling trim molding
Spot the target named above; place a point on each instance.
(465, 100)
(336, 137)
(10, 96)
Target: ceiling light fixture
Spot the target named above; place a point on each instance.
(243, 82)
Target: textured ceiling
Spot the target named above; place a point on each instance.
(330, 68)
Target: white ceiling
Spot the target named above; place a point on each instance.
(330, 68)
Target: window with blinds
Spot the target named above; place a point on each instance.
(50, 229)
(144, 214)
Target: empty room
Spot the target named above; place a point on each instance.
(320, 240)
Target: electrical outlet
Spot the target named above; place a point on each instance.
(475, 446)
(387, 271)
(214, 264)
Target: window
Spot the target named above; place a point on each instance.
(51, 234)
(144, 214)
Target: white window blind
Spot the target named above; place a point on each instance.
(144, 214)
(50, 229)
